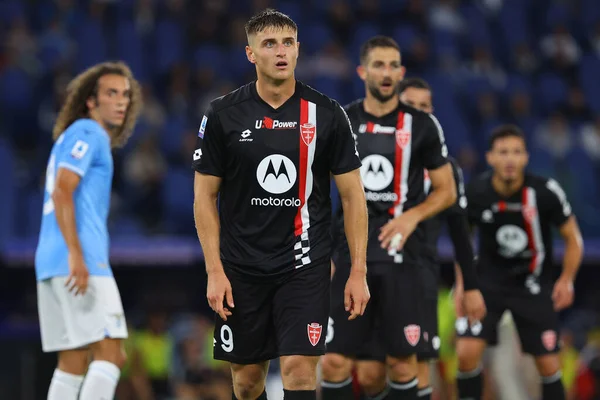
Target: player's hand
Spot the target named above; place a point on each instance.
(78, 274)
(404, 225)
(356, 294)
(473, 305)
(563, 293)
(218, 289)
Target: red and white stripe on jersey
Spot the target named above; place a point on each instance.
(534, 230)
(402, 161)
(307, 144)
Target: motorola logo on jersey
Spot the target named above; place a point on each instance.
(270, 123)
(371, 127)
(377, 174)
(512, 240)
(276, 174)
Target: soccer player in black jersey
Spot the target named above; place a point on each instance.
(396, 143)
(417, 93)
(514, 212)
(265, 152)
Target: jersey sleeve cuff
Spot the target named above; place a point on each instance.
(438, 164)
(346, 169)
(70, 167)
(205, 171)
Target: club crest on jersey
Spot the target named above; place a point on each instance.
(308, 132)
(413, 334)
(314, 331)
(402, 137)
(549, 340)
(529, 213)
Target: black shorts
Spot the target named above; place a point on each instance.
(391, 324)
(429, 305)
(534, 316)
(275, 318)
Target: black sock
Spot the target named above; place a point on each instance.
(337, 390)
(263, 396)
(299, 394)
(424, 393)
(403, 390)
(379, 396)
(552, 387)
(470, 384)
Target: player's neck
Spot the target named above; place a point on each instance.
(378, 108)
(507, 188)
(275, 94)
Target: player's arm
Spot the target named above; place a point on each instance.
(442, 196)
(560, 215)
(64, 208)
(206, 217)
(209, 164)
(345, 164)
(354, 204)
(573, 248)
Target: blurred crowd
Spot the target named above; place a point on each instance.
(532, 62)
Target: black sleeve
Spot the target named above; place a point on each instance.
(434, 152)
(344, 156)
(460, 207)
(558, 205)
(473, 212)
(209, 156)
(458, 228)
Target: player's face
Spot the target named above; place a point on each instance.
(111, 102)
(508, 157)
(417, 98)
(382, 73)
(274, 52)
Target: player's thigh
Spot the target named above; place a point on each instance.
(92, 317)
(487, 329)
(400, 309)
(537, 323)
(344, 336)
(301, 311)
(429, 349)
(248, 336)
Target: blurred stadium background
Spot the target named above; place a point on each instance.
(532, 62)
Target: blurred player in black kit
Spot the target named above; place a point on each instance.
(266, 151)
(514, 213)
(396, 143)
(416, 93)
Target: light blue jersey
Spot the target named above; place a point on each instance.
(84, 148)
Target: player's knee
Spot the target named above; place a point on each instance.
(335, 367)
(469, 352)
(372, 378)
(548, 365)
(73, 362)
(299, 372)
(402, 369)
(248, 381)
(110, 350)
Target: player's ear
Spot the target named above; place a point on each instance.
(91, 102)
(402, 72)
(250, 55)
(489, 157)
(361, 71)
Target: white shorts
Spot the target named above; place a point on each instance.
(70, 322)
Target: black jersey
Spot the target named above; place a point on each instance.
(275, 165)
(515, 235)
(433, 225)
(395, 150)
